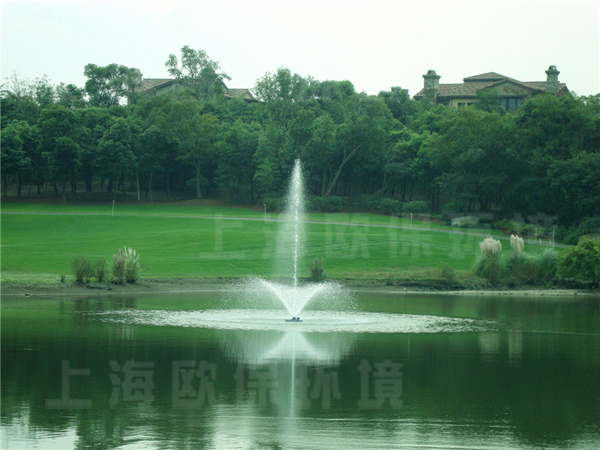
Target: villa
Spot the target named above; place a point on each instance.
(511, 93)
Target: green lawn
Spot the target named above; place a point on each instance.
(191, 241)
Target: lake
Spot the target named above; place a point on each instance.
(191, 371)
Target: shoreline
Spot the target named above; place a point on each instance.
(191, 285)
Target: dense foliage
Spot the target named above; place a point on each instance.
(386, 151)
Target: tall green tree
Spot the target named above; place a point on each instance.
(473, 158)
(107, 86)
(59, 130)
(363, 132)
(17, 101)
(236, 163)
(116, 151)
(70, 96)
(282, 85)
(31, 165)
(196, 134)
(154, 152)
(196, 70)
(14, 159)
(402, 107)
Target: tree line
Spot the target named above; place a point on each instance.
(195, 141)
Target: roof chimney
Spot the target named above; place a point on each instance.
(552, 79)
(431, 85)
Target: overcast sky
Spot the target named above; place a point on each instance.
(375, 44)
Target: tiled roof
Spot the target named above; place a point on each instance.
(543, 85)
(154, 83)
(489, 76)
(151, 83)
(239, 92)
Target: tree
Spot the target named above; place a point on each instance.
(195, 133)
(94, 122)
(63, 161)
(155, 149)
(18, 102)
(106, 86)
(198, 144)
(70, 96)
(283, 85)
(25, 161)
(399, 169)
(330, 90)
(236, 164)
(59, 130)
(14, 159)
(197, 70)
(400, 104)
(116, 149)
(472, 155)
(488, 100)
(43, 92)
(319, 153)
(364, 130)
(555, 140)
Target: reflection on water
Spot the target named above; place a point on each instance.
(405, 372)
(264, 347)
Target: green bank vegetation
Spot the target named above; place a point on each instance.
(195, 242)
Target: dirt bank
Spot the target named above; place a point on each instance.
(186, 285)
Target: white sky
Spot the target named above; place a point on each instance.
(375, 44)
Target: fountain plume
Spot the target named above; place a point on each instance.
(290, 252)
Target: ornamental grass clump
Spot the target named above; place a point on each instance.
(126, 266)
(488, 265)
(519, 268)
(517, 243)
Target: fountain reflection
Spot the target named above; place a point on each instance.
(256, 347)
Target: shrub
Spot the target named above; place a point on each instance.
(365, 202)
(273, 204)
(547, 263)
(510, 226)
(126, 266)
(390, 206)
(587, 227)
(82, 269)
(416, 206)
(118, 269)
(327, 204)
(455, 206)
(581, 262)
(317, 269)
(516, 228)
(100, 270)
(488, 265)
(520, 269)
(448, 274)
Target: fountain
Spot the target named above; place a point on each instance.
(290, 250)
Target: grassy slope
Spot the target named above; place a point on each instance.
(191, 241)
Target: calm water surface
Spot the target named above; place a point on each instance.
(396, 371)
